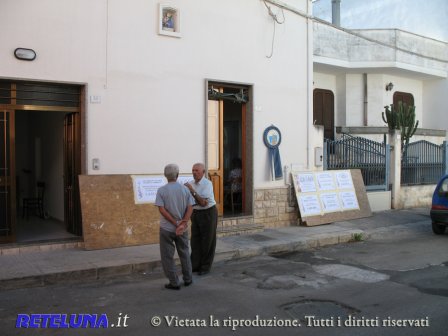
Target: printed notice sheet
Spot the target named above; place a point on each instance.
(146, 186)
(184, 179)
(306, 183)
(309, 205)
(344, 179)
(325, 181)
(330, 202)
(349, 200)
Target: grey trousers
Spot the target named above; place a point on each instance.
(169, 242)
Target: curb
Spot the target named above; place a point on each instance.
(154, 268)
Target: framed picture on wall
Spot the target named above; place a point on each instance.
(169, 20)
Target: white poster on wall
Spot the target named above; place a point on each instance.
(184, 179)
(145, 187)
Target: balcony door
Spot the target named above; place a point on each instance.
(323, 111)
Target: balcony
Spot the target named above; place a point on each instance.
(380, 50)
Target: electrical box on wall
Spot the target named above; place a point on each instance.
(96, 164)
(318, 156)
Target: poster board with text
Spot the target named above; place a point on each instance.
(330, 195)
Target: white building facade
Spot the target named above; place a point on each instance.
(141, 96)
(112, 88)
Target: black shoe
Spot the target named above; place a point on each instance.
(188, 283)
(170, 286)
(203, 272)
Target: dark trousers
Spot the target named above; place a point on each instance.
(203, 238)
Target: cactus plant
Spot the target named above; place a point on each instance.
(406, 122)
(390, 117)
(401, 117)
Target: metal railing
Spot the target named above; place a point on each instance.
(371, 157)
(423, 162)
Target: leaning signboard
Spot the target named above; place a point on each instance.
(332, 195)
(118, 210)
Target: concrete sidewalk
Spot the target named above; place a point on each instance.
(75, 264)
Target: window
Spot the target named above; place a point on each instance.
(444, 187)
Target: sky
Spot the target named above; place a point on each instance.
(424, 17)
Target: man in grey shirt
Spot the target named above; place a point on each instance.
(175, 206)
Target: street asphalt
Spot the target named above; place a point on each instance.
(34, 267)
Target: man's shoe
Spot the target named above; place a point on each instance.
(170, 286)
(203, 272)
(188, 283)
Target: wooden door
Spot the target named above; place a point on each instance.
(404, 97)
(215, 151)
(72, 168)
(7, 177)
(323, 111)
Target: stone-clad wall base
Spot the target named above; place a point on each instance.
(272, 209)
(275, 207)
(15, 249)
(237, 230)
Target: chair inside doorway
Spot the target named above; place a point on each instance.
(35, 205)
(236, 200)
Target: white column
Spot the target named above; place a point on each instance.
(395, 168)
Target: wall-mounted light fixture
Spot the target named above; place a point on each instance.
(25, 54)
(389, 86)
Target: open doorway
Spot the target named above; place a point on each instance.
(233, 162)
(41, 163)
(229, 147)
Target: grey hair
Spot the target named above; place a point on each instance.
(171, 171)
(200, 164)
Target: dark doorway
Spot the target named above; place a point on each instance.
(233, 163)
(37, 156)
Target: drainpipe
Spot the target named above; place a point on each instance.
(336, 12)
(365, 98)
(309, 75)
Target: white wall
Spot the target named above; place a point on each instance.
(378, 97)
(341, 100)
(355, 100)
(435, 98)
(152, 87)
(349, 98)
(68, 37)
